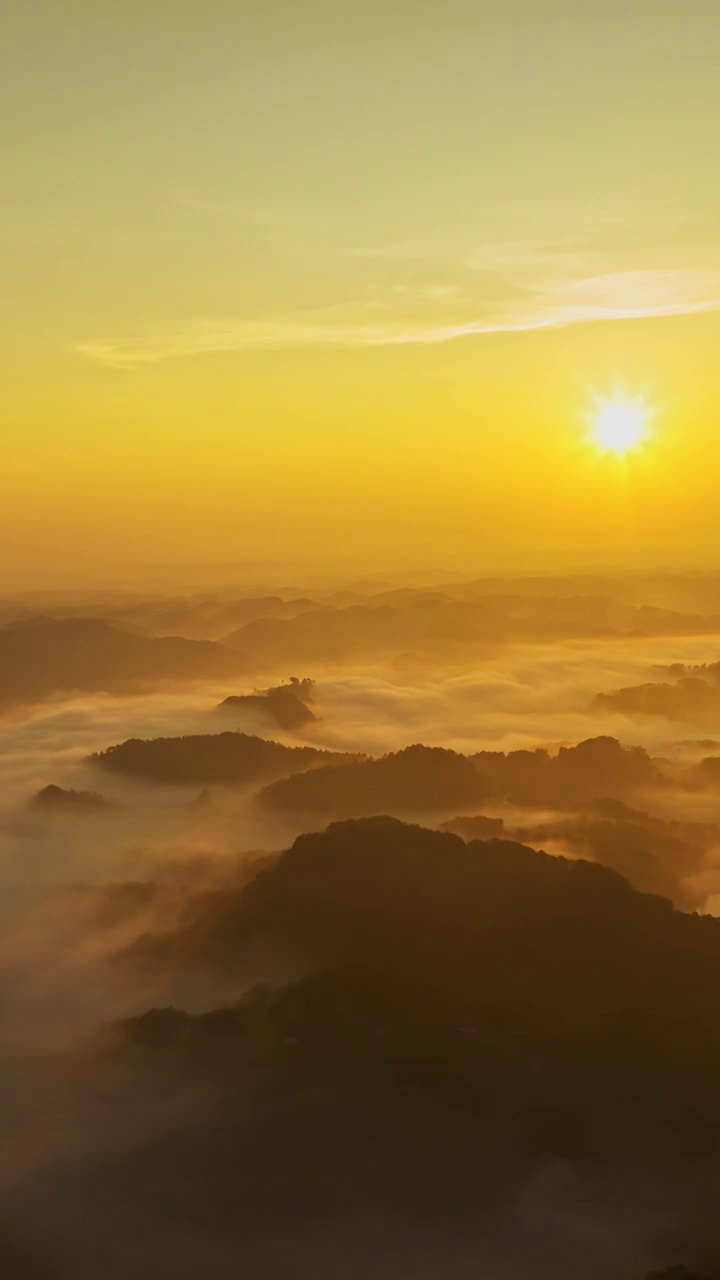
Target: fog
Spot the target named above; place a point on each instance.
(123, 891)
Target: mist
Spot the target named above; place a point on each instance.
(146, 1002)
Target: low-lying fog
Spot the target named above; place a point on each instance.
(89, 881)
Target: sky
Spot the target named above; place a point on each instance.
(339, 281)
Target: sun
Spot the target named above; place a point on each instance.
(620, 423)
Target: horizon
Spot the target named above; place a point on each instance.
(360, 640)
(254, 300)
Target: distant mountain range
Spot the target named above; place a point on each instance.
(39, 656)
(459, 621)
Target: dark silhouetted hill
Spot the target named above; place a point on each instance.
(286, 704)
(706, 670)
(689, 699)
(429, 778)
(59, 800)
(476, 827)
(41, 656)
(656, 855)
(478, 1040)
(490, 974)
(707, 772)
(231, 758)
(596, 768)
(416, 779)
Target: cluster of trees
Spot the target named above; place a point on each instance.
(692, 692)
(596, 768)
(416, 779)
(678, 670)
(425, 778)
(585, 1010)
(657, 855)
(287, 704)
(170, 1029)
(468, 1014)
(64, 800)
(232, 758)
(690, 699)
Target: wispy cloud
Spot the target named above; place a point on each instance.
(623, 295)
(554, 303)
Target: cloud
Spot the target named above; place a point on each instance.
(630, 294)
(554, 303)
(510, 267)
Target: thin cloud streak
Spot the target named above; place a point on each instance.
(625, 295)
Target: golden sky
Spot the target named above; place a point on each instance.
(295, 280)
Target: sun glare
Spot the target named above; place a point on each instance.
(620, 423)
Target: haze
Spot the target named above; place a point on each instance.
(360, 641)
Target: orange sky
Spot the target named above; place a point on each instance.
(319, 282)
